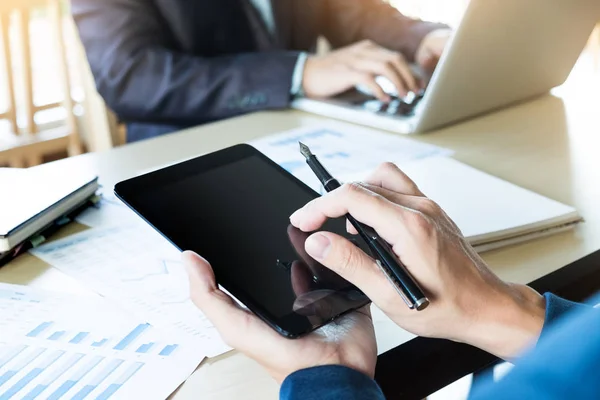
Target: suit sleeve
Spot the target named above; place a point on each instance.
(330, 382)
(142, 78)
(565, 363)
(350, 21)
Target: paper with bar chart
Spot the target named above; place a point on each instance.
(141, 271)
(55, 347)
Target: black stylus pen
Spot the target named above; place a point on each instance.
(392, 267)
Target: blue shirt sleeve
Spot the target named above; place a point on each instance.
(331, 382)
(564, 365)
(556, 308)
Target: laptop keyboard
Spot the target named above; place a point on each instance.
(396, 107)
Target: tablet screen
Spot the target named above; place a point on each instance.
(236, 215)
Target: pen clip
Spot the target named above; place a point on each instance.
(394, 284)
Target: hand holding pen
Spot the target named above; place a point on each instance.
(468, 302)
(388, 262)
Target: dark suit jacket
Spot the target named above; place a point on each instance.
(179, 63)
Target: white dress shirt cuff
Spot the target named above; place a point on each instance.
(296, 89)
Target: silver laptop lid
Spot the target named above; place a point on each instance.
(503, 52)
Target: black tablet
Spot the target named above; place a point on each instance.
(232, 207)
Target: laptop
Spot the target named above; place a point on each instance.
(503, 52)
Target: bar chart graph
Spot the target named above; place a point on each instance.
(134, 334)
(100, 343)
(57, 335)
(39, 329)
(146, 278)
(110, 390)
(75, 377)
(124, 343)
(41, 387)
(79, 337)
(168, 350)
(61, 350)
(145, 348)
(57, 374)
(31, 375)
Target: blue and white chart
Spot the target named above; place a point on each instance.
(135, 267)
(343, 148)
(65, 347)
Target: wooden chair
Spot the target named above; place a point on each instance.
(27, 145)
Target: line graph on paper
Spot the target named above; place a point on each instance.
(141, 271)
(157, 268)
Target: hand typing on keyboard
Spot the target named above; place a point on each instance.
(397, 106)
(388, 87)
(358, 64)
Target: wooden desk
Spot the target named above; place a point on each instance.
(550, 145)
